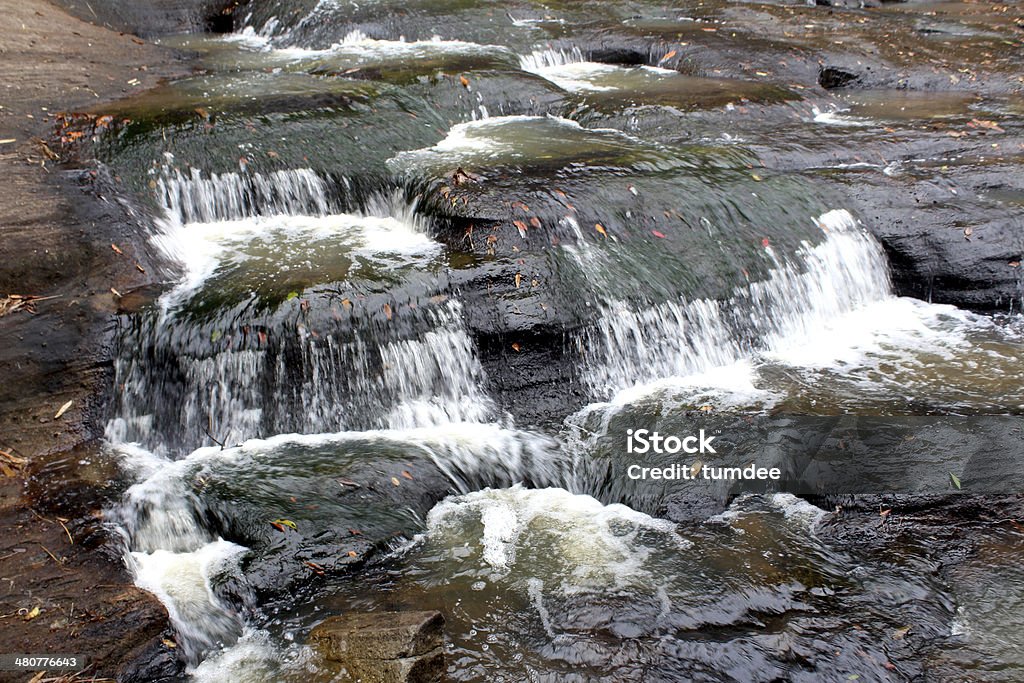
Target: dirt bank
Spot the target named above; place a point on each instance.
(60, 592)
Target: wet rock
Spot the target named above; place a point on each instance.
(831, 77)
(955, 237)
(384, 647)
(160, 17)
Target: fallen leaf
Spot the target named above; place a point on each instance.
(387, 311)
(669, 55)
(464, 81)
(989, 125)
(352, 553)
(765, 243)
(519, 279)
(535, 222)
(63, 409)
(405, 473)
(202, 112)
(657, 234)
(516, 347)
(901, 633)
(968, 231)
(521, 226)
(169, 643)
(956, 480)
(33, 613)
(286, 522)
(315, 567)
(600, 229)
(1014, 264)
(395, 482)
(755, 177)
(116, 249)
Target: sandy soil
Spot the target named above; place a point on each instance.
(55, 236)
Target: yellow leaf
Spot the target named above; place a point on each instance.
(32, 614)
(63, 409)
(286, 522)
(600, 229)
(519, 278)
(395, 482)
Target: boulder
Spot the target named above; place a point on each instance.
(383, 647)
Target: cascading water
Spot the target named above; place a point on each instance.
(631, 346)
(418, 379)
(321, 390)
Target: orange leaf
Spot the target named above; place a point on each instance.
(668, 56)
(387, 311)
(521, 226)
(405, 473)
(464, 81)
(516, 347)
(600, 229)
(116, 249)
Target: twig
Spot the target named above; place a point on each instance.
(70, 540)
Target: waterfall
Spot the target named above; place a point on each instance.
(630, 345)
(199, 198)
(191, 388)
(538, 60)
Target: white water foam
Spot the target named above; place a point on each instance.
(182, 581)
(605, 545)
(836, 117)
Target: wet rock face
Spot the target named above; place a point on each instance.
(383, 647)
(158, 17)
(957, 238)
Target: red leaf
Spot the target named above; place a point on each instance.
(657, 234)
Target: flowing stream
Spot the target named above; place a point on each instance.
(315, 413)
